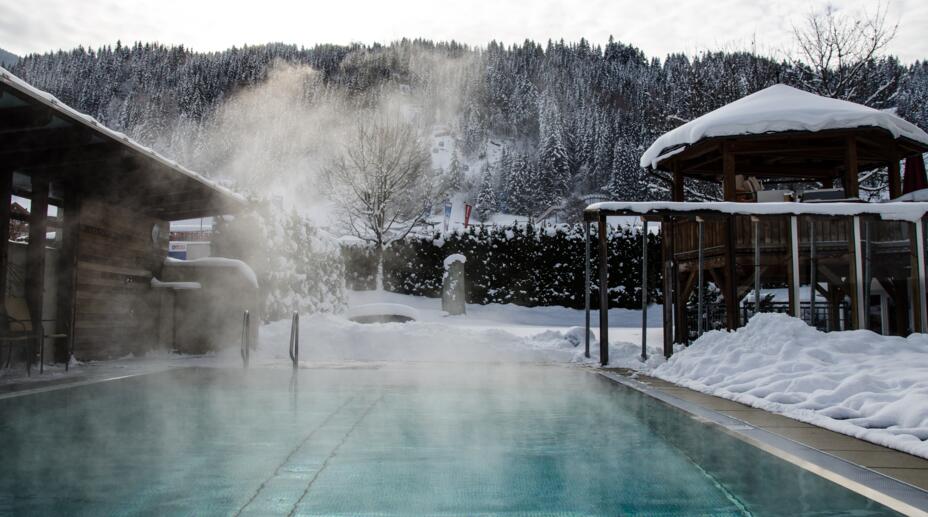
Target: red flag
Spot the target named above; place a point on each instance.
(467, 209)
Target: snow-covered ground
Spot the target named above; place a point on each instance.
(492, 332)
(854, 382)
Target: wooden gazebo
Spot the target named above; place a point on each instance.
(841, 248)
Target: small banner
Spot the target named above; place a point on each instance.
(447, 214)
(467, 209)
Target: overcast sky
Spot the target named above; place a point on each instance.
(657, 26)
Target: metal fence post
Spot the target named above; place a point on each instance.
(295, 340)
(246, 333)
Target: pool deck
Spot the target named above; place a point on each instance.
(899, 466)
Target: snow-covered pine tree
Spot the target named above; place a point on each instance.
(521, 188)
(486, 197)
(454, 176)
(553, 162)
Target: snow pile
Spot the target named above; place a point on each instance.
(180, 286)
(854, 382)
(243, 269)
(382, 309)
(456, 257)
(776, 109)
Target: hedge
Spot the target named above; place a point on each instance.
(524, 265)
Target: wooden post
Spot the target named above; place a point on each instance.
(920, 304)
(586, 287)
(795, 307)
(813, 277)
(67, 275)
(851, 188)
(669, 294)
(35, 255)
(677, 193)
(680, 297)
(728, 173)
(858, 302)
(644, 289)
(700, 323)
(756, 223)
(895, 184)
(603, 291)
(731, 271)
(6, 191)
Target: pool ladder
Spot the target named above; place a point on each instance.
(246, 334)
(295, 340)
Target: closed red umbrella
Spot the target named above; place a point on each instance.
(914, 177)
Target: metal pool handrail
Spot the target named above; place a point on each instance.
(246, 331)
(295, 340)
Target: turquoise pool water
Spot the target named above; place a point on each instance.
(463, 440)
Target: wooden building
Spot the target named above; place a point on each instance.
(112, 202)
(820, 235)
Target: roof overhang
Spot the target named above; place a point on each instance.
(890, 211)
(800, 155)
(40, 135)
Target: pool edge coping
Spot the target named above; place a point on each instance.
(886, 490)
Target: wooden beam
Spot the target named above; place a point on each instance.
(67, 275)
(677, 183)
(728, 173)
(668, 273)
(35, 255)
(732, 319)
(856, 278)
(6, 190)
(793, 278)
(851, 187)
(895, 183)
(17, 118)
(920, 301)
(603, 291)
(43, 139)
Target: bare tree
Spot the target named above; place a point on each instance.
(381, 182)
(837, 49)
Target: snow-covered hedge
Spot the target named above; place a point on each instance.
(298, 266)
(525, 265)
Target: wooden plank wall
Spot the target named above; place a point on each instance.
(116, 309)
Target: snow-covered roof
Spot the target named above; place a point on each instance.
(778, 108)
(217, 262)
(892, 211)
(47, 99)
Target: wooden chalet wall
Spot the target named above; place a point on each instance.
(116, 310)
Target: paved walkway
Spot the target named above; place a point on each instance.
(898, 465)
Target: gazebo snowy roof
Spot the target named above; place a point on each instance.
(789, 118)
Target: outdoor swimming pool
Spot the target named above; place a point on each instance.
(394, 440)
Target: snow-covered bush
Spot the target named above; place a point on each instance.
(519, 264)
(299, 267)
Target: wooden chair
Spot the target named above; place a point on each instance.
(22, 334)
